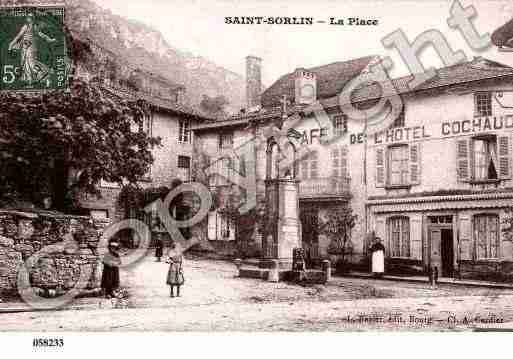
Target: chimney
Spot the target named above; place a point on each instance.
(253, 82)
(305, 83)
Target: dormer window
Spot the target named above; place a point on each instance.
(339, 124)
(483, 104)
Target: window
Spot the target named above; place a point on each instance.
(242, 165)
(225, 227)
(485, 158)
(148, 125)
(486, 234)
(309, 166)
(398, 166)
(339, 162)
(184, 168)
(483, 104)
(399, 234)
(226, 140)
(339, 125)
(220, 227)
(184, 131)
(220, 172)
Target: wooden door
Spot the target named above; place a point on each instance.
(435, 239)
(309, 227)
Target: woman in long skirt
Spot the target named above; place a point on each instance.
(378, 258)
(110, 275)
(159, 247)
(175, 277)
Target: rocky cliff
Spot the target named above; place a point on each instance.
(144, 47)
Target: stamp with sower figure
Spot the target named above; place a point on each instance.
(32, 48)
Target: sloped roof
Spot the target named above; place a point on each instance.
(167, 105)
(235, 122)
(475, 70)
(503, 36)
(331, 79)
(175, 107)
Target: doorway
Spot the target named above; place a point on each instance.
(442, 250)
(309, 217)
(447, 252)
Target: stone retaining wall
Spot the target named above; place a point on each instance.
(24, 233)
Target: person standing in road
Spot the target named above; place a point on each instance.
(110, 275)
(159, 246)
(175, 277)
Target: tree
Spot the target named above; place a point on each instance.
(337, 226)
(62, 143)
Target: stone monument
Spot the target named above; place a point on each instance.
(283, 228)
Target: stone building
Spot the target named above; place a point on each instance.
(327, 180)
(440, 180)
(434, 185)
(171, 118)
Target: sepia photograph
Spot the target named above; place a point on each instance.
(255, 166)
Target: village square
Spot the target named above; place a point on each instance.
(335, 198)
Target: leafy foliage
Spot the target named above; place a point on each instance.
(79, 135)
(337, 226)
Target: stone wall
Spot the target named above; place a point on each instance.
(24, 233)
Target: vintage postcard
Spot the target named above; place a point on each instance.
(255, 166)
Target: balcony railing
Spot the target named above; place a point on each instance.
(324, 187)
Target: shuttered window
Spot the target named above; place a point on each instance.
(414, 152)
(483, 158)
(399, 235)
(504, 161)
(380, 167)
(486, 234)
(463, 159)
(398, 166)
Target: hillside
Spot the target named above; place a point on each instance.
(144, 47)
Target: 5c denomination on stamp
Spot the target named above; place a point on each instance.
(33, 53)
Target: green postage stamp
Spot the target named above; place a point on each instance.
(32, 48)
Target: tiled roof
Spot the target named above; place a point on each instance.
(164, 104)
(475, 70)
(331, 79)
(174, 107)
(220, 124)
(503, 36)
